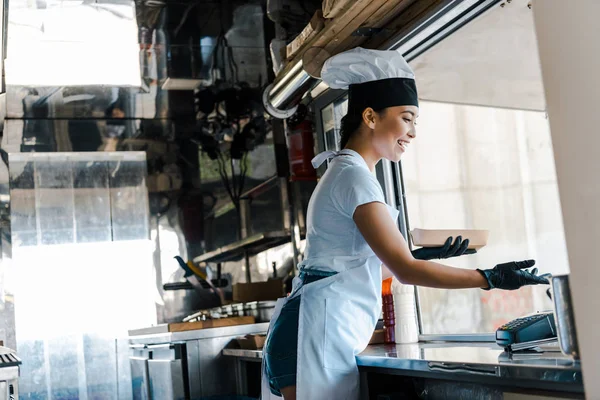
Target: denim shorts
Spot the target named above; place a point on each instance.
(280, 351)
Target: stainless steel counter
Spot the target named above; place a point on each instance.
(170, 337)
(476, 362)
(187, 364)
(240, 353)
(476, 359)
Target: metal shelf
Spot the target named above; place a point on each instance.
(253, 192)
(251, 245)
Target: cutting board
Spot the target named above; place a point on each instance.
(210, 323)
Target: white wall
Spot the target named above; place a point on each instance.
(569, 48)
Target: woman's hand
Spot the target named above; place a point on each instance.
(448, 250)
(512, 275)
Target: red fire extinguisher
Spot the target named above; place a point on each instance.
(301, 145)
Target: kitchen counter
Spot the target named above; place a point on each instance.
(483, 363)
(479, 362)
(150, 336)
(187, 364)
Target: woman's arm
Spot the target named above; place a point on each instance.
(385, 272)
(382, 235)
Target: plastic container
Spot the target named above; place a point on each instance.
(406, 328)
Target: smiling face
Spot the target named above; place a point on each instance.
(392, 130)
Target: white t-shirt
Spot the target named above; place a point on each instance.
(333, 241)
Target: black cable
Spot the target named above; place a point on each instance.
(184, 17)
(240, 177)
(212, 11)
(243, 170)
(233, 68)
(226, 49)
(225, 178)
(234, 182)
(233, 64)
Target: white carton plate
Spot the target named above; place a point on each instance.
(437, 237)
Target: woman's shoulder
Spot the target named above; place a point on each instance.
(343, 176)
(356, 173)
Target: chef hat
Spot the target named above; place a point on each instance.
(375, 78)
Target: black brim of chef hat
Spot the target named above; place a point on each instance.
(381, 94)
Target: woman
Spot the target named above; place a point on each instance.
(331, 313)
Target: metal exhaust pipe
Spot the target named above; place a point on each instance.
(281, 99)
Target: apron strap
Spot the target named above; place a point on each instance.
(321, 157)
(326, 155)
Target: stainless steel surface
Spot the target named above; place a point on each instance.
(224, 244)
(209, 371)
(140, 381)
(546, 370)
(237, 310)
(241, 381)
(169, 337)
(402, 221)
(533, 344)
(192, 350)
(262, 311)
(249, 354)
(178, 304)
(280, 114)
(475, 359)
(283, 95)
(404, 229)
(166, 379)
(215, 369)
(412, 40)
(281, 99)
(473, 337)
(388, 183)
(96, 208)
(2, 108)
(240, 357)
(564, 316)
(83, 117)
(253, 245)
(158, 371)
(449, 17)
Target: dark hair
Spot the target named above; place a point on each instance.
(349, 125)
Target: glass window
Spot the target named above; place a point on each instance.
(332, 122)
(332, 116)
(485, 168)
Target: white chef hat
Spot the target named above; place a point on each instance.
(375, 78)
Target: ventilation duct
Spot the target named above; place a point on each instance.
(282, 97)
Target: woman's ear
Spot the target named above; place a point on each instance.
(368, 117)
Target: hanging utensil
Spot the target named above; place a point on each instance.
(198, 279)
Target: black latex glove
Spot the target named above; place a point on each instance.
(446, 251)
(513, 275)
